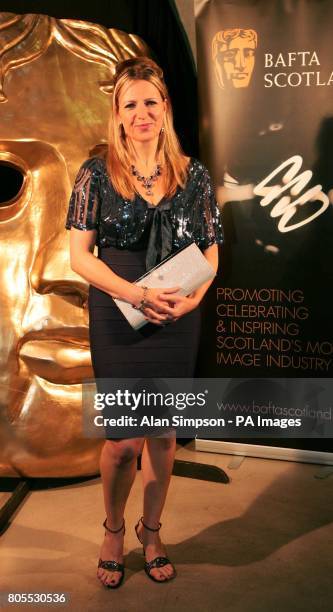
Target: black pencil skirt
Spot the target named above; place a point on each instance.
(118, 351)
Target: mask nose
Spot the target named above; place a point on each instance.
(240, 60)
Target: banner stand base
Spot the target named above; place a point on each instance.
(263, 452)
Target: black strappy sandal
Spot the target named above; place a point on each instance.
(158, 561)
(113, 566)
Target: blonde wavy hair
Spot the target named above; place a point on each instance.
(120, 152)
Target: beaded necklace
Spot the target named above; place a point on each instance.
(147, 181)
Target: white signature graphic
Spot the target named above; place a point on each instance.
(286, 208)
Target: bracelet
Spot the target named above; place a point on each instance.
(143, 304)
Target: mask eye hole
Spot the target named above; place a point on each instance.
(11, 181)
(15, 185)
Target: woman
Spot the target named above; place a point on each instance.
(142, 202)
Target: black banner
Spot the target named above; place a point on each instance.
(265, 72)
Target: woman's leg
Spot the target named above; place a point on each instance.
(118, 468)
(156, 465)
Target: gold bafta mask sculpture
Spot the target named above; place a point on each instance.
(233, 54)
(54, 108)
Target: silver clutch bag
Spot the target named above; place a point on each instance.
(187, 269)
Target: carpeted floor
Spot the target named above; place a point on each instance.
(262, 543)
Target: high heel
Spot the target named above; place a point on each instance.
(158, 561)
(113, 566)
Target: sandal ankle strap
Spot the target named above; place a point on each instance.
(114, 530)
(150, 528)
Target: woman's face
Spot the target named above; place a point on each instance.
(141, 110)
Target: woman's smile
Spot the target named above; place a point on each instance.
(144, 126)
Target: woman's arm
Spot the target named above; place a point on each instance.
(97, 273)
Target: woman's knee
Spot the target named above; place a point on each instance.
(124, 451)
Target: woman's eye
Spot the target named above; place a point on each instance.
(150, 102)
(130, 105)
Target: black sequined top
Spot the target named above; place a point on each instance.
(190, 215)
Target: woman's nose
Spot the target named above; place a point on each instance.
(141, 111)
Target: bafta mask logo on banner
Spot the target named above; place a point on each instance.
(233, 53)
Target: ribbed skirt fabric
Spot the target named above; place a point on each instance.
(153, 351)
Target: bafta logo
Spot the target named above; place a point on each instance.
(233, 54)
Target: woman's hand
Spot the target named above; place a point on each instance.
(181, 305)
(166, 305)
(159, 310)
